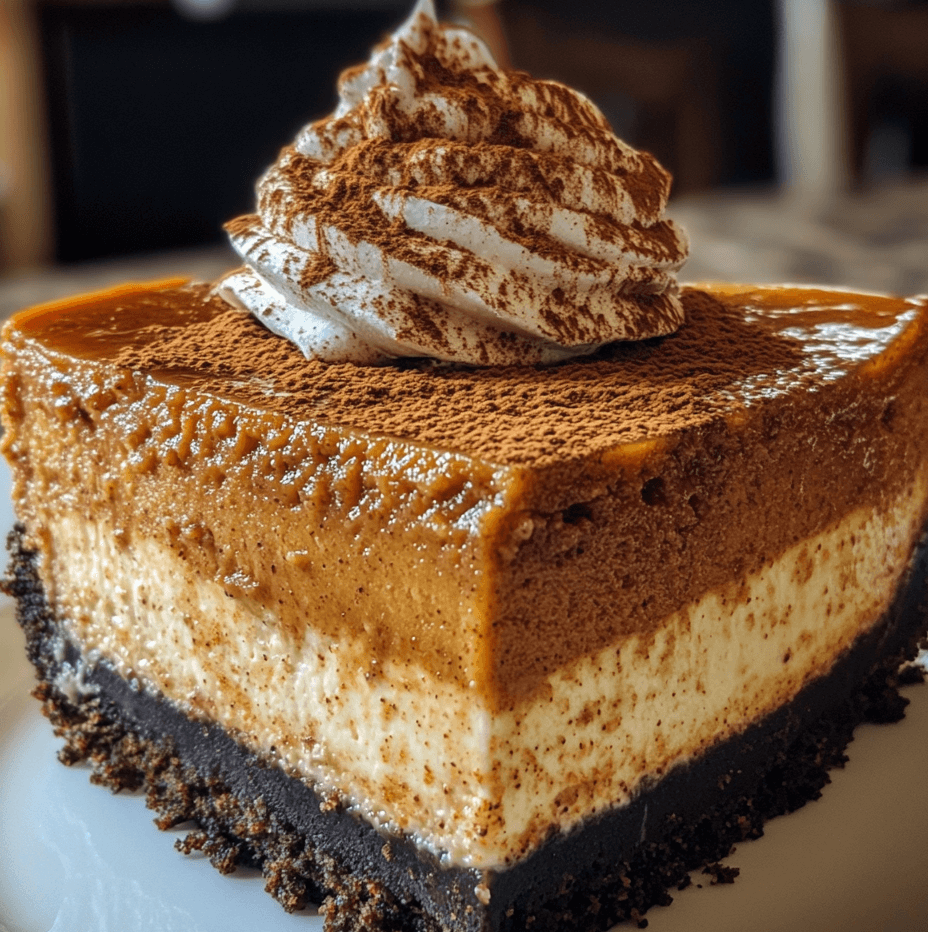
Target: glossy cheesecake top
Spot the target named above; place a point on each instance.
(741, 345)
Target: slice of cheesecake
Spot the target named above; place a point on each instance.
(505, 648)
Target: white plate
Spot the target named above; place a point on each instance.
(76, 858)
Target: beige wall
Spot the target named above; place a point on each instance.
(25, 203)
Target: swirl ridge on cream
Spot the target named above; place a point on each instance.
(451, 210)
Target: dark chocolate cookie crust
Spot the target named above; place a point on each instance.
(311, 850)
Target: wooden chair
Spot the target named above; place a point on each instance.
(673, 85)
(881, 43)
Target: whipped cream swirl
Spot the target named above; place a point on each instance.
(452, 210)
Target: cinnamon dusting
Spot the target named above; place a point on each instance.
(530, 415)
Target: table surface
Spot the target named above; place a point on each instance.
(876, 240)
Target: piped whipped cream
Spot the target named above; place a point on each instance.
(452, 210)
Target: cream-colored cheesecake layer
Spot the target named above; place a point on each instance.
(428, 758)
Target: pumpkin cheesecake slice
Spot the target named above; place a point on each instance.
(447, 560)
(468, 648)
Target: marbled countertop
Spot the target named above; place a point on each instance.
(876, 240)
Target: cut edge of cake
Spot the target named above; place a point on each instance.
(310, 850)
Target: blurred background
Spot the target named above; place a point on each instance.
(796, 130)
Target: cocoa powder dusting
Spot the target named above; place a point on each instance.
(515, 415)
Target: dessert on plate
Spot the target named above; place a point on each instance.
(448, 561)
